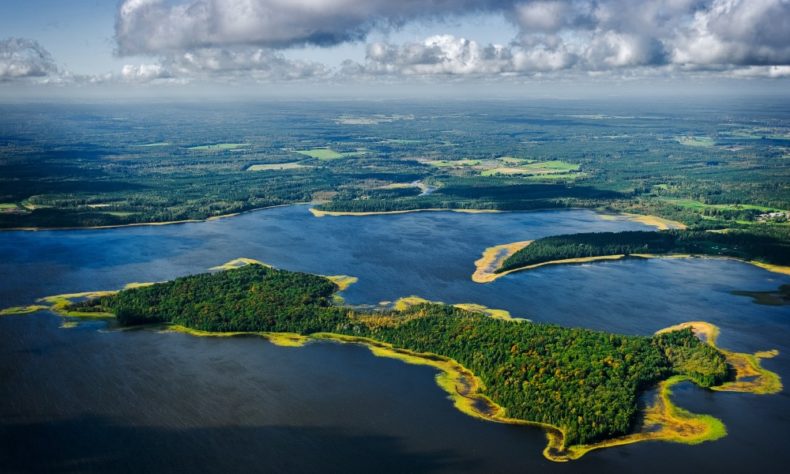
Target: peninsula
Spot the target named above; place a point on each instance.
(771, 252)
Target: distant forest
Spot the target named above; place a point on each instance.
(93, 165)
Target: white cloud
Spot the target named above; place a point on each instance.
(740, 32)
(441, 54)
(552, 16)
(156, 26)
(252, 63)
(773, 72)
(219, 36)
(144, 72)
(23, 58)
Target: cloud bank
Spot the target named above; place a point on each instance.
(249, 40)
(24, 59)
(238, 37)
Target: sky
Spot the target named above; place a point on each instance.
(242, 47)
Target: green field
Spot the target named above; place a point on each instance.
(703, 142)
(277, 166)
(505, 170)
(700, 206)
(5, 206)
(326, 153)
(218, 147)
(514, 161)
(554, 178)
(453, 163)
(550, 167)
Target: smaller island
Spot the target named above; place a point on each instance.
(771, 252)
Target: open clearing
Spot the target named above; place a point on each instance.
(328, 153)
(704, 142)
(218, 147)
(277, 166)
(699, 206)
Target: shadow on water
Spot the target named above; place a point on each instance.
(99, 444)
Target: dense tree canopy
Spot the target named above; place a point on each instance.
(741, 244)
(586, 382)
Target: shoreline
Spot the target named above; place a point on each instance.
(482, 275)
(319, 213)
(492, 258)
(146, 224)
(653, 221)
(661, 419)
(659, 223)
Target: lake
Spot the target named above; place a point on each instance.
(88, 399)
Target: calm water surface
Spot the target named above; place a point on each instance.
(91, 400)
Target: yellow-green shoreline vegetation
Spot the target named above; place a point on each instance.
(764, 251)
(582, 386)
(342, 281)
(238, 263)
(282, 339)
(492, 259)
(654, 221)
(19, 310)
(749, 375)
(64, 304)
(405, 303)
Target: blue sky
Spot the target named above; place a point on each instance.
(79, 33)
(215, 43)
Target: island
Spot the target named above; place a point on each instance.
(768, 248)
(582, 386)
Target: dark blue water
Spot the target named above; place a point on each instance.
(87, 400)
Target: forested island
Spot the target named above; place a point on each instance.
(583, 384)
(767, 247)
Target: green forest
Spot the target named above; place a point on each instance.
(771, 245)
(92, 165)
(586, 382)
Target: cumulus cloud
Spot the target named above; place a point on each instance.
(552, 16)
(449, 55)
(228, 37)
(773, 72)
(254, 63)
(23, 58)
(741, 32)
(441, 54)
(213, 64)
(144, 72)
(155, 26)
